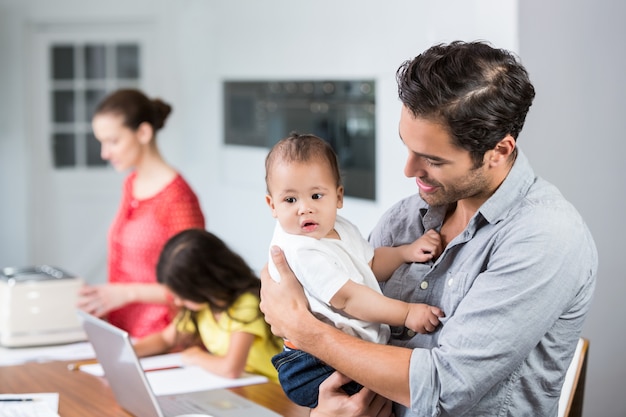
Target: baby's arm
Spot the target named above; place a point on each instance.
(387, 259)
(423, 318)
(364, 303)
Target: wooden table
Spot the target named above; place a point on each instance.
(85, 395)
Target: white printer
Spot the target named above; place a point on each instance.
(38, 307)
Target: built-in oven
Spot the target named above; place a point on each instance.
(259, 113)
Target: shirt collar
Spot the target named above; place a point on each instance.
(514, 188)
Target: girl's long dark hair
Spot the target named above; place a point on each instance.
(198, 266)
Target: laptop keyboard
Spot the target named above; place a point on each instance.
(172, 406)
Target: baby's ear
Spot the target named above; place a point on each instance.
(340, 196)
(270, 202)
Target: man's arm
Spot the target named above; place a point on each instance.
(389, 376)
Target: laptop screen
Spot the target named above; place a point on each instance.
(121, 366)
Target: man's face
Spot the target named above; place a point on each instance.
(443, 172)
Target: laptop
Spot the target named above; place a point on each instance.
(132, 391)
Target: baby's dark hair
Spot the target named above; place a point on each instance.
(136, 108)
(302, 148)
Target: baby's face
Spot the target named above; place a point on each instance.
(304, 197)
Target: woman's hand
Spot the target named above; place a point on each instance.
(333, 401)
(283, 303)
(99, 300)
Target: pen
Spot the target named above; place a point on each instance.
(76, 366)
(162, 369)
(15, 399)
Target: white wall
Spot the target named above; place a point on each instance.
(575, 137)
(201, 43)
(322, 39)
(13, 144)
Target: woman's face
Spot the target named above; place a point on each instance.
(120, 145)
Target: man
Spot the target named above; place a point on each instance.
(515, 279)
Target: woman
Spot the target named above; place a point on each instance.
(156, 204)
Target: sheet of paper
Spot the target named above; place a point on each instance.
(29, 405)
(181, 379)
(151, 363)
(71, 351)
(194, 378)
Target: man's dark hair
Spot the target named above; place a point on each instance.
(477, 92)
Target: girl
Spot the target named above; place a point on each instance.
(219, 326)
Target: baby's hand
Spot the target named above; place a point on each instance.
(427, 247)
(422, 318)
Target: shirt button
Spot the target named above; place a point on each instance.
(424, 285)
(450, 282)
(410, 333)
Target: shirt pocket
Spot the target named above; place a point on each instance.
(454, 287)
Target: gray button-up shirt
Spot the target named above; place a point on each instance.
(515, 285)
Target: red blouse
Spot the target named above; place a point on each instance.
(136, 238)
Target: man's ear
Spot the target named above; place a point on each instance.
(502, 151)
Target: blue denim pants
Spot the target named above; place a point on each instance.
(300, 375)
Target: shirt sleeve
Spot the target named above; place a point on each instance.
(531, 279)
(322, 274)
(321, 269)
(247, 317)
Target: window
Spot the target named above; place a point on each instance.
(80, 76)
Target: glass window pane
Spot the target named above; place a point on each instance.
(62, 62)
(81, 75)
(93, 152)
(127, 61)
(92, 99)
(63, 106)
(95, 62)
(63, 150)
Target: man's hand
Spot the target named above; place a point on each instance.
(334, 402)
(283, 304)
